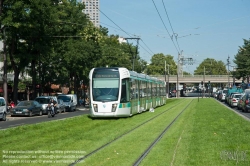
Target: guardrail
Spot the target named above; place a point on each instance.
(198, 78)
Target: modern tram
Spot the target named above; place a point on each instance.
(118, 92)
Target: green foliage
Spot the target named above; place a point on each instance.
(211, 67)
(157, 66)
(242, 61)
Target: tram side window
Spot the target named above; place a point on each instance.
(133, 89)
(125, 91)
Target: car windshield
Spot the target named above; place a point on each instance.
(42, 100)
(25, 103)
(64, 98)
(237, 96)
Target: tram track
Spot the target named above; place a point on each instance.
(130, 131)
(138, 161)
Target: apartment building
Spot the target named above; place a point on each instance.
(91, 9)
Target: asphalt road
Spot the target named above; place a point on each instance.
(18, 121)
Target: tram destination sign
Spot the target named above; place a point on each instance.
(106, 75)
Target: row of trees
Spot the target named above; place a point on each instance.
(55, 42)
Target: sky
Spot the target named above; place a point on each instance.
(197, 29)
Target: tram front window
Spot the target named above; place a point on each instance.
(105, 89)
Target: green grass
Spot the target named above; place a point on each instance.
(205, 134)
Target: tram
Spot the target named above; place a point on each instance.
(118, 92)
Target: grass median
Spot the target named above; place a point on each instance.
(207, 133)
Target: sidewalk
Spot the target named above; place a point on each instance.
(82, 108)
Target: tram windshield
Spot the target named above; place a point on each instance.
(105, 86)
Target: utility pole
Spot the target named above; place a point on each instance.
(168, 81)
(178, 70)
(133, 55)
(204, 81)
(228, 62)
(165, 73)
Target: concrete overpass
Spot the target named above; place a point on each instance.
(198, 78)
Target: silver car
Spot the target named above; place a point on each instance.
(44, 101)
(61, 106)
(3, 109)
(234, 99)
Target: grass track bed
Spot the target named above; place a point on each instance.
(205, 132)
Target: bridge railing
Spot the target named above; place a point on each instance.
(192, 76)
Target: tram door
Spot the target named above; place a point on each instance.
(134, 96)
(142, 96)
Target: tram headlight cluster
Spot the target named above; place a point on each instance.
(114, 106)
(95, 107)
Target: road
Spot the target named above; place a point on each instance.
(19, 121)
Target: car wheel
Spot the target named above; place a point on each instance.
(4, 117)
(30, 113)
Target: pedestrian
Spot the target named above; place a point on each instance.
(80, 101)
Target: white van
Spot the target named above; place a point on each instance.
(69, 100)
(3, 109)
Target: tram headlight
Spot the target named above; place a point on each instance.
(114, 106)
(95, 107)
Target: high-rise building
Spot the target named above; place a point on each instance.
(92, 10)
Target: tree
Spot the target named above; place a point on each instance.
(157, 65)
(242, 61)
(34, 29)
(211, 67)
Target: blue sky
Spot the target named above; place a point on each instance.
(204, 28)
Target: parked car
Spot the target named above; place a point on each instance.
(222, 96)
(27, 108)
(69, 100)
(239, 103)
(246, 102)
(229, 96)
(215, 94)
(61, 107)
(219, 94)
(233, 100)
(3, 109)
(44, 101)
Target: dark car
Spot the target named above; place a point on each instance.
(27, 108)
(239, 103)
(246, 102)
(172, 93)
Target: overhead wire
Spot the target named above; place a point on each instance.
(119, 26)
(165, 26)
(170, 24)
